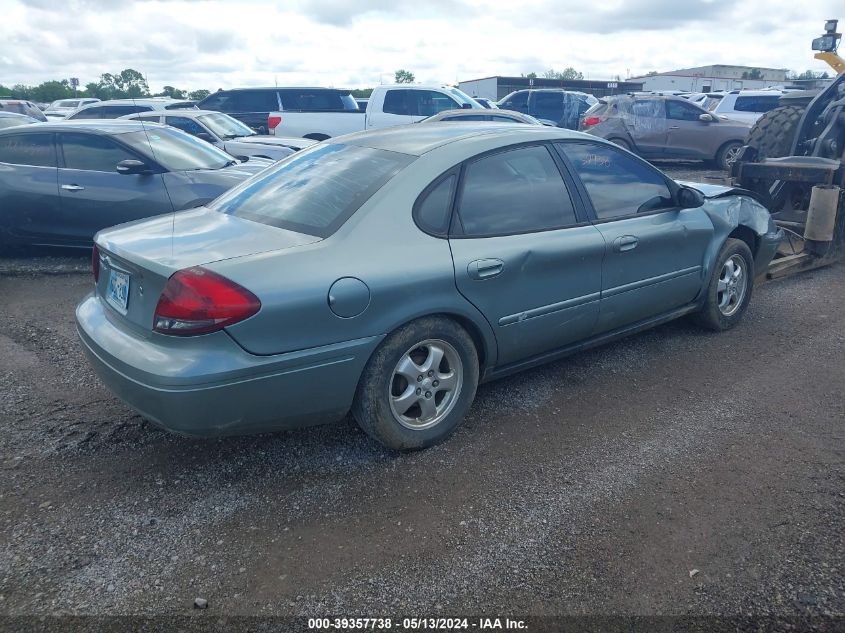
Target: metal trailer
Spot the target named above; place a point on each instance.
(794, 159)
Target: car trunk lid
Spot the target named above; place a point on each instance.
(137, 259)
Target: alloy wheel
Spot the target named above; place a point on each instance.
(426, 384)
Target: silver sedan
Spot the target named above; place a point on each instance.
(389, 272)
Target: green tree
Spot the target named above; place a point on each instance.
(403, 76)
(173, 93)
(531, 75)
(198, 95)
(754, 73)
(127, 83)
(566, 74)
(51, 91)
(361, 93)
(5, 91)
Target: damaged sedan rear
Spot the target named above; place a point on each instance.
(388, 273)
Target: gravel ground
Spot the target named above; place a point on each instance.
(677, 472)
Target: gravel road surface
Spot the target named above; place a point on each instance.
(677, 472)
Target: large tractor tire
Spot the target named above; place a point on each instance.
(773, 133)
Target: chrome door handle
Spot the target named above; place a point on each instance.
(72, 188)
(485, 268)
(674, 127)
(625, 243)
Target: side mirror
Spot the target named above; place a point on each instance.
(206, 137)
(127, 167)
(707, 118)
(689, 198)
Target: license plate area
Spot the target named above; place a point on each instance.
(117, 292)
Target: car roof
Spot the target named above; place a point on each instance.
(103, 126)
(186, 112)
(137, 101)
(416, 139)
(14, 115)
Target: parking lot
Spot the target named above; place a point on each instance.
(675, 472)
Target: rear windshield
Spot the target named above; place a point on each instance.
(600, 107)
(174, 150)
(316, 190)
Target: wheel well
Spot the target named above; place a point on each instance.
(477, 339)
(748, 236)
(317, 137)
(471, 328)
(731, 142)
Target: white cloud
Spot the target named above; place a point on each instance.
(213, 43)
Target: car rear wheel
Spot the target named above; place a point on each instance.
(418, 385)
(727, 154)
(729, 290)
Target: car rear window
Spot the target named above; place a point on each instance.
(36, 150)
(760, 103)
(315, 191)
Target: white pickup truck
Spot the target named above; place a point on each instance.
(388, 105)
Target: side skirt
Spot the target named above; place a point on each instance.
(494, 373)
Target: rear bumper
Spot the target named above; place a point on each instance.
(208, 385)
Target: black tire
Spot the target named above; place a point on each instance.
(711, 316)
(773, 133)
(727, 154)
(372, 406)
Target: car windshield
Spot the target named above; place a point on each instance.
(463, 98)
(176, 151)
(316, 190)
(225, 126)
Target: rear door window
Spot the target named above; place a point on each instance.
(185, 124)
(647, 108)
(547, 105)
(760, 103)
(36, 150)
(92, 152)
(618, 185)
(515, 191)
(316, 190)
(256, 101)
(396, 102)
(94, 112)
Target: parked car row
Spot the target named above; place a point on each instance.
(225, 133)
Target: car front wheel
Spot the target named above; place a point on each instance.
(729, 290)
(418, 385)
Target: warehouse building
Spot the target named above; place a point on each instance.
(497, 87)
(714, 77)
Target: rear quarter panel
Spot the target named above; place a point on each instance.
(409, 274)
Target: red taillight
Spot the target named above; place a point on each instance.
(95, 263)
(198, 301)
(592, 120)
(273, 121)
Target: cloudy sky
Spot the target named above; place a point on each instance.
(358, 43)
